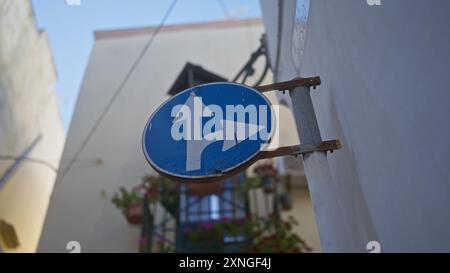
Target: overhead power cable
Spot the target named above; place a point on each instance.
(224, 9)
(30, 159)
(116, 93)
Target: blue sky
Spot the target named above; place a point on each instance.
(70, 29)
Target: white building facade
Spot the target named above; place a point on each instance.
(31, 132)
(385, 95)
(80, 209)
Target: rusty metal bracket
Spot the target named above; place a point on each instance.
(317, 145)
(302, 149)
(289, 85)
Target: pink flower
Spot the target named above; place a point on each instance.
(207, 226)
(143, 241)
(225, 219)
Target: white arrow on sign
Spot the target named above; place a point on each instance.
(195, 148)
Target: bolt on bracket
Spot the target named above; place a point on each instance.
(302, 149)
(289, 85)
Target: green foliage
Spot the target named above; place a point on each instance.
(248, 184)
(163, 190)
(272, 235)
(215, 230)
(276, 236)
(124, 200)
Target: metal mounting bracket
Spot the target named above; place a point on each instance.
(302, 149)
(289, 85)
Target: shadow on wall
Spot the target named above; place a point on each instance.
(359, 218)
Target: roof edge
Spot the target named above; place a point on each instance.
(129, 32)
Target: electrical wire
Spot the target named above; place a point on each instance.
(224, 9)
(116, 94)
(248, 70)
(30, 159)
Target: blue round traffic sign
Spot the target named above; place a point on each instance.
(207, 132)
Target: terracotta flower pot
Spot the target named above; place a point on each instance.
(134, 214)
(286, 201)
(268, 184)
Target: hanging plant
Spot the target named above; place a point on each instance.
(157, 189)
(160, 189)
(269, 177)
(135, 214)
(130, 203)
(268, 184)
(214, 230)
(266, 169)
(276, 236)
(248, 184)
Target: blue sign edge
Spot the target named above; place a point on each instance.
(224, 172)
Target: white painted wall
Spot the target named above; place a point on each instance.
(303, 212)
(78, 211)
(28, 107)
(385, 95)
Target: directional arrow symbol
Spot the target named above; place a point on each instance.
(253, 129)
(195, 147)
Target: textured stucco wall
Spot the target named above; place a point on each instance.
(28, 108)
(385, 95)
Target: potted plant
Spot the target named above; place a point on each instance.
(248, 184)
(130, 203)
(285, 201)
(268, 184)
(269, 176)
(160, 189)
(276, 236)
(206, 231)
(143, 244)
(214, 230)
